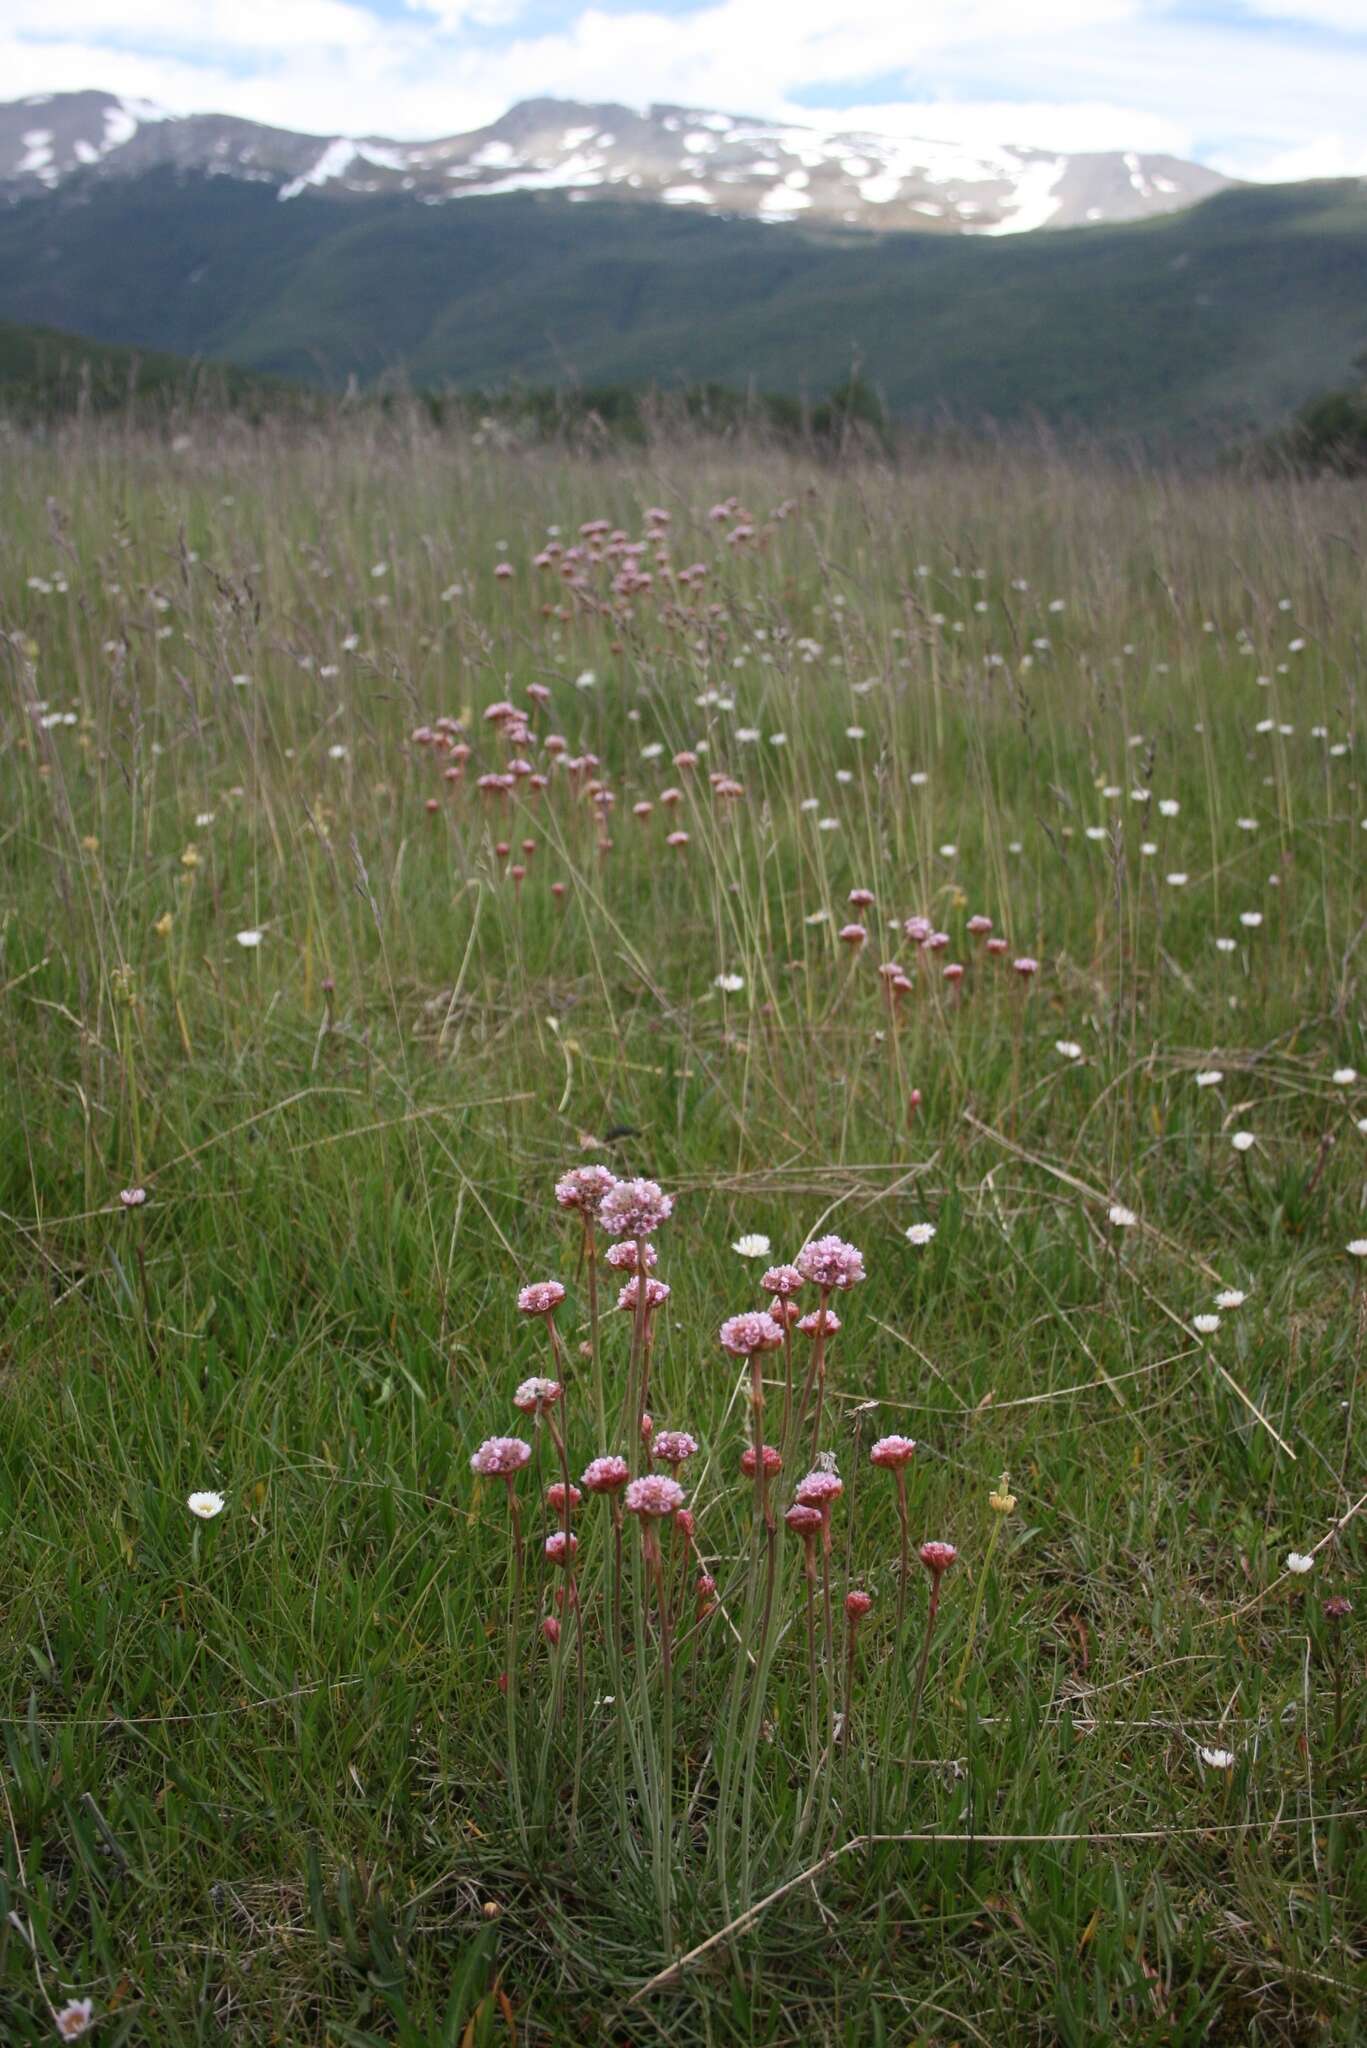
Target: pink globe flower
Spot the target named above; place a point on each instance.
(557, 1497)
(822, 1322)
(132, 1198)
(918, 929)
(550, 1629)
(804, 1520)
(653, 1496)
(535, 1396)
(606, 1475)
(673, 1447)
(953, 972)
(657, 1294)
(622, 1256)
(979, 925)
(1025, 966)
(561, 1545)
(860, 899)
(584, 1187)
(937, 1557)
(829, 1262)
(818, 1490)
(890, 1453)
(782, 1280)
(633, 1208)
(996, 945)
(498, 1457)
(773, 1460)
(857, 1605)
(746, 1334)
(852, 934)
(676, 839)
(542, 1298)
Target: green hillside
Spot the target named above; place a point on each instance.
(45, 374)
(1209, 323)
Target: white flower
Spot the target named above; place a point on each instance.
(1067, 1048)
(1121, 1216)
(1344, 1077)
(1230, 1297)
(250, 939)
(729, 984)
(1148, 847)
(1096, 831)
(920, 1233)
(206, 1505)
(1169, 806)
(753, 1246)
(747, 734)
(203, 818)
(1209, 1077)
(1177, 880)
(1247, 824)
(76, 2017)
(948, 850)
(1357, 1247)
(1205, 1326)
(1250, 919)
(1243, 1141)
(828, 824)
(1217, 1759)
(778, 739)
(817, 917)
(585, 680)
(1224, 945)
(337, 752)
(1362, 1125)
(1298, 1562)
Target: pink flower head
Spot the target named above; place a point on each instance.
(829, 1262)
(605, 1475)
(622, 1256)
(76, 2017)
(556, 1497)
(633, 1208)
(818, 1490)
(654, 1496)
(937, 1557)
(773, 1460)
(550, 1629)
(673, 1447)
(542, 1298)
(953, 972)
(561, 1545)
(892, 1452)
(746, 1334)
(819, 1321)
(535, 1396)
(683, 1522)
(647, 1428)
(676, 839)
(979, 925)
(803, 1520)
(584, 1187)
(132, 1198)
(996, 944)
(852, 934)
(918, 929)
(860, 899)
(782, 1280)
(857, 1605)
(657, 1294)
(935, 942)
(1025, 966)
(498, 1457)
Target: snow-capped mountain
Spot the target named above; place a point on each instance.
(674, 156)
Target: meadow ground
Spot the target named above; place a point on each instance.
(281, 958)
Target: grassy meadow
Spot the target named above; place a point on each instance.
(281, 959)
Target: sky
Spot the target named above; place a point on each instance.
(1256, 88)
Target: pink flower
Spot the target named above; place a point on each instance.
(892, 1452)
(860, 899)
(852, 934)
(550, 1629)
(857, 1605)
(782, 1280)
(676, 839)
(561, 1545)
(954, 972)
(657, 1293)
(979, 925)
(541, 1298)
(556, 1497)
(622, 1255)
(535, 1395)
(76, 2017)
(937, 1557)
(773, 1460)
(746, 1334)
(633, 1208)
(996, 945)
(829, 1262)
(132, 1198)
(823, 1321)
(653, 1496)
(804, 1520)
(818, 1490)
(498, 1457)
(673, 1447)
(584, 1187)
(1025, 966)
(605, 1475)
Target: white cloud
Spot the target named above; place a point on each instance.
(1066, 74)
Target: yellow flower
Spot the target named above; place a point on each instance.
(190, 857)
(90, 844)
(1003, 1502)
(162, 927)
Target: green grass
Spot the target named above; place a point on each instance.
(1191, 330)
(256, 1772)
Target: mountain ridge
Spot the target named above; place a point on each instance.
(678, 157)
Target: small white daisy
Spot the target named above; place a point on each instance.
(1243, 1141)
(1209, 1077)
(206, 1505)
(1230, 1297)
(920, 1233)
(729, 984)
(1217, 1759)
(250, 939)
(753, 1246)
(1205, 1325)
(1357, 1247)
(1344, 1077)
(1122, 1217)
(1298, 1562)
(1067, 1049)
